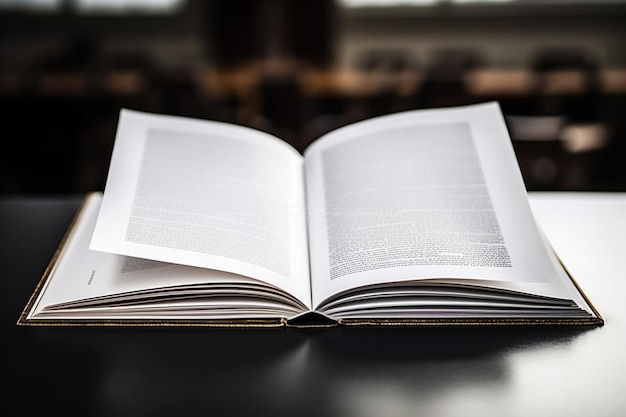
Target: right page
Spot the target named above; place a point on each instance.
(422, 195)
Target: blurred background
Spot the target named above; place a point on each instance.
(300, 68)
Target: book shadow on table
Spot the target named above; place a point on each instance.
(126, 371)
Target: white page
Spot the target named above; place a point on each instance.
(206, 194)
(421, 194)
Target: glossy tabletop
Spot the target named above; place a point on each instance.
(542, 371)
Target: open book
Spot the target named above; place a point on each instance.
(416, 218)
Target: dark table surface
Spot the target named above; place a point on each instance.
(542, 371)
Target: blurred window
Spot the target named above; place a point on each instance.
(31, 5)
(424, 3)
(94, 6)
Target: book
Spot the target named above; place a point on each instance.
(413, 218)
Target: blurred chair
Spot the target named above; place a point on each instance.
(512, 87)
(586, 145)
(444, 79)
(558, 138)
(126, 74)
(567, 83)
(539, 150)
(280, 99)
(391, 75)
(67, 72)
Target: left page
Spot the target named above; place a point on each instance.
(206, 194)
